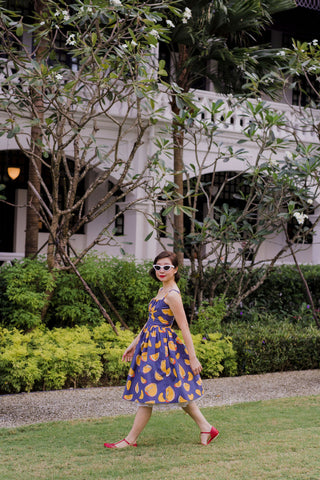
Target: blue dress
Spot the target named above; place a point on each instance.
(160, 371)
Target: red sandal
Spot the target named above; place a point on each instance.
(213, 434)
(114, 445)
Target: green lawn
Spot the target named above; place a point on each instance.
(278, 439)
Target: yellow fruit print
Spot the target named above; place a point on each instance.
(169, 394)
(165, 340)
(155, 357)
(137, 389)
(138, 360)
(178, 356)
(151, 402)
(186, 386)
(199, 382)
(182, 371)
(149, 343)
(162, 320)
(178, 384)
(190, 376)
(131, 372)
(187, 362)
(179, 341)
(141, 396)
(151, 390)
(172, 346)
(158, 344)
(143, 380)
(167, 311)
(163, 366)
(147, 369)
(128, 397)
(158, 377)
(144, 356)
(198, 392)
(175, 372)
(191, 396)
(161, 398)
(172, 361)
(128, 384)
(153, 334)
(166, 351)
(182, 400)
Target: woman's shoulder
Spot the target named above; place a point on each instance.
(173, 294)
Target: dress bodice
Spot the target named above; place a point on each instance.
(160, 313)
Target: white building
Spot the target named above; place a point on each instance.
(133, 227)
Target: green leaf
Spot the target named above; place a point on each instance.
(94, 38)
(148, 236)
(19, 29)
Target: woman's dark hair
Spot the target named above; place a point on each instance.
(165, 254)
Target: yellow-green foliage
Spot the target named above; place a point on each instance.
(215, 354)
(80, 357)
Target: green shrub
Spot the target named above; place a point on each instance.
(25, 287)
(215, 354)
(274, 347)
(111, 348)
(210, 317)
(44, 359)
(19, 369)
(70, 305)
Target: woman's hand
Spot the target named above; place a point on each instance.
(128, 353)
(195, 365)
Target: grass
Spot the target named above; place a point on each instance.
(267, 440)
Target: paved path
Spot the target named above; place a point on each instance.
(37, 407)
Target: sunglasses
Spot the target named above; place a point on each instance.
(165, 267)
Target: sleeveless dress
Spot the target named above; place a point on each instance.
(160, 371)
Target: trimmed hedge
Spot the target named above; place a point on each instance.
(274, 348)
(81, 357)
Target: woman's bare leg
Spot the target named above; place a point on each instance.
(194, 411)
(141, 419)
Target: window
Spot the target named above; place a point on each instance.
(119, 222)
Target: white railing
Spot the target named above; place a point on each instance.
(235, 123)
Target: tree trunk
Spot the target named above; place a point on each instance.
(178, 222)
(33, 204)
(178, 142)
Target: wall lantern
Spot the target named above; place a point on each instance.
(13, 172)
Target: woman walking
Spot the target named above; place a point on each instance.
(164, 370)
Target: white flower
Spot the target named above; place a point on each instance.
(310, 201)
(66, 15)
(59, 76)
(155, 33)
(187, 14)
(282, 53)
(116, 3)
(300, 217)
(42, 23)
(124, 46)
(71, 39)
(57, 13)
(133, 43)
(288, 156)
(89, 10)
(315, 42)
(170, 23)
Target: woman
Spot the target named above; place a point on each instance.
(164, 370)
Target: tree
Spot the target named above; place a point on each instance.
(215, 40)
(274, 194)
(90, 66)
